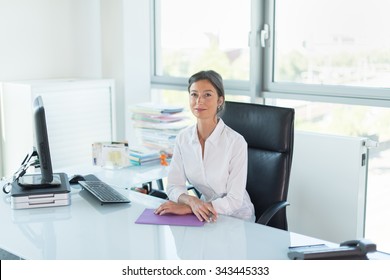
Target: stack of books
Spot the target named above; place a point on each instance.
(157, 125)
(143, 156)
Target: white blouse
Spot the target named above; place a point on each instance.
(220, 176)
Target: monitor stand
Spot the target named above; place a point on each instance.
(35, 181)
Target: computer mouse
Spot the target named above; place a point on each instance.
(76, 178)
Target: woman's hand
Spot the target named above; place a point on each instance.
(203, 210)
(171, 207)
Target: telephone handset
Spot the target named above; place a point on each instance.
(364, 245)
(351, 249)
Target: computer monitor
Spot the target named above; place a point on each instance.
(46, 178)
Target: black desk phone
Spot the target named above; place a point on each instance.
(348, 250)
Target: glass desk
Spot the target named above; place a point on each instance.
(88, 230)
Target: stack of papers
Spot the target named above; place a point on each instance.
(157, 118)
(157, 125)
(143, 156)
(153, 108)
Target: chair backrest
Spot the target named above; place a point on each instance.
(269, 132)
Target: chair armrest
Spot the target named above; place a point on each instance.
(271, 211)
(158, 193)
(160, 184)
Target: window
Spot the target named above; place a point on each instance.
(190, 36)
(330, 47)
(336, 52)
(329, 59)
(328, 42)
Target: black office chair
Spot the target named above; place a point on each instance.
(269, 132)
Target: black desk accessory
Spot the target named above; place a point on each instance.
(349, 250)
(27, 197)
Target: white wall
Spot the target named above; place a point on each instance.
(137, 56)
(42, 39)
(46, 39)
(126, 54)
(113, 55)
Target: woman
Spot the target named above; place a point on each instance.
(210, 156)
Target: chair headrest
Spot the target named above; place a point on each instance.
(262, 126)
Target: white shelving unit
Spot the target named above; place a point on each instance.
(78, 113)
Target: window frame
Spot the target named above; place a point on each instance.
(358, 95)
(249, 88)
(261, 86)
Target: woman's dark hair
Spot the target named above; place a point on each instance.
(214, 78)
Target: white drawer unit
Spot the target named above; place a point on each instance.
(78, 113)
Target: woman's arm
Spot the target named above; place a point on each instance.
(236, 183)
(203, 210)
(187, 204)
(182, 203)
(171, 207)
(176, 175)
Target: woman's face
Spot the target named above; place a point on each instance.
(204, 100)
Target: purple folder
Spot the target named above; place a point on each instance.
(148, 217)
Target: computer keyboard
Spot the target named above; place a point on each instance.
(104, 192)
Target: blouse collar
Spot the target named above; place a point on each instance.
(214, 136)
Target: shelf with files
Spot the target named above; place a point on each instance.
(157, 125)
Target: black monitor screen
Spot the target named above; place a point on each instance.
(46, 178)
(42, 140)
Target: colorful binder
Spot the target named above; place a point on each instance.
(148, 217)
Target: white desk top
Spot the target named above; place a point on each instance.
(88, 230)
